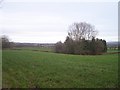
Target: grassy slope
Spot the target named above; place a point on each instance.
(42, 69)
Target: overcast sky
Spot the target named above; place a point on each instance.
(42, 21)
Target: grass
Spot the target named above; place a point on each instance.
(113, 50)
(30, 69)
(44, 49)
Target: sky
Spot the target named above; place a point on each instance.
(48, 21)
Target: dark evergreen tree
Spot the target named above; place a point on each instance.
(99, 46)
(105, 46)
(93, 46)
(69, 45)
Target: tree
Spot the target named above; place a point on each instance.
(59, 47)
(6, 42)
(93, 46)
(99, 48)
(78, 31)
(81, 40)
(69, 45)
(78, 47)
(85, 46)
(105, 46)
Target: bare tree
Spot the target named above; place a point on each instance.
(82, 30)
(6, 42)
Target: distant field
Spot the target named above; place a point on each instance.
(113, 50)
(51, 49)
(29, 68)
(44, 49)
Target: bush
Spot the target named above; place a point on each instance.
(59, 47)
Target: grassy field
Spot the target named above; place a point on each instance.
(29, 68)
(43, 49)
(113, 50)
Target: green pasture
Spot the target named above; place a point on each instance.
(36, 69)
(43, 49)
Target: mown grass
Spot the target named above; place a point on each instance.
(25, 68)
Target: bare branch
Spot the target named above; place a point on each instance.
(81, 30)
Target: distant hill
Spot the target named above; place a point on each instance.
(16, 44)
(113, 44)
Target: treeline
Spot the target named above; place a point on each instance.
(81, 40)
(84, 47)
(6, 43)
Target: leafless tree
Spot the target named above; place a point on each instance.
(82, 30)
(6, 42)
